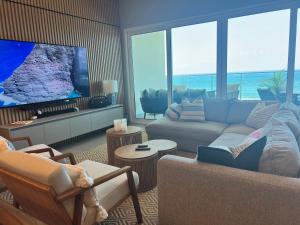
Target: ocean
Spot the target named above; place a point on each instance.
(248, 81)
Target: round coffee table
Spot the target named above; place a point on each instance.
(165, 147)
(116, 139)
(142, 162)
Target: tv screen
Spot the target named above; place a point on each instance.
(34, 73)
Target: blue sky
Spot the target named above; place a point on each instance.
(255, 43)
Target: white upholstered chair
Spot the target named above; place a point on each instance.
(46, 190)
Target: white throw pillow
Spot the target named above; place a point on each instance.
(173, 112)
(260, 115)
(281, 154)
(192, 111)
(81, 179)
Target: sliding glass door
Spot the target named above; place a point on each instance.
(149, 74)
(194, 61)
(258, 56)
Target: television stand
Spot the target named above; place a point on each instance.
(58, 128)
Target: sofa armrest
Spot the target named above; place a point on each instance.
(192, 192)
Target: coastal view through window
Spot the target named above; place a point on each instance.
(194, 61)
(258, 55)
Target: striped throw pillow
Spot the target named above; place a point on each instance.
(173, 112)
(193, 111)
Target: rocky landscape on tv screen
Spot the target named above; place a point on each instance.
(31, 73)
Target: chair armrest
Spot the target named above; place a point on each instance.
(41, 150)
(70, 156)
(100, 180)
(25, 138)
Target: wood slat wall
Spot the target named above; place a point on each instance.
(93, 24)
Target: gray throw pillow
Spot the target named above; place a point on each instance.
(239, 111)
(216, 110)
(260, 115)
(281, 154)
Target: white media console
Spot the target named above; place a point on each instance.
(62, 127)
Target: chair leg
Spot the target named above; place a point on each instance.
(145, 115)
(134, 197)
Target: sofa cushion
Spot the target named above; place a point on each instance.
(205, 132)
(230, 140)
(239, 128)
(41, 146)
(192, 112)
(216, 110)
(260, 115)
(281, 155)
(239, 111)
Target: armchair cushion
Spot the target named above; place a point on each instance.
(109, 193)
(42, 170)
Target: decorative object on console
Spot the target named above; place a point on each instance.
(99, 102)
(120, 125)
(110, 88)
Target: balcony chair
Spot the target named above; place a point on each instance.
(266, 94)
(48, 190)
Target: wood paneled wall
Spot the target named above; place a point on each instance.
(93, 24)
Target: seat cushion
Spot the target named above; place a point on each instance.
(230, 140)
(239, 129)
(109, 193)
(205, 132)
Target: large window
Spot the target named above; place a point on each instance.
(149, 72)
(247, 55)
(194, 58)
(258, 56)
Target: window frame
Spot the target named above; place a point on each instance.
(222, 43)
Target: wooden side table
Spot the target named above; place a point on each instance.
(142, 162)
(114, 139)
(164, 147)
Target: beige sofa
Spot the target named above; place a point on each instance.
(194, 193)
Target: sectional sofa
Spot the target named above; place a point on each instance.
(192, 192)
(224, 125)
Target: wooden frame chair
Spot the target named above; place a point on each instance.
(41, 201)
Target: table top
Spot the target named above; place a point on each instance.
(130, 130)
(129, 152)
(162, 144)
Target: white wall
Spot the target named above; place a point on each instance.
(144, 12)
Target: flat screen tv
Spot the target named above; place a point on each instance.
(34, 73)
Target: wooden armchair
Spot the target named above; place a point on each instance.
(48, 200)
